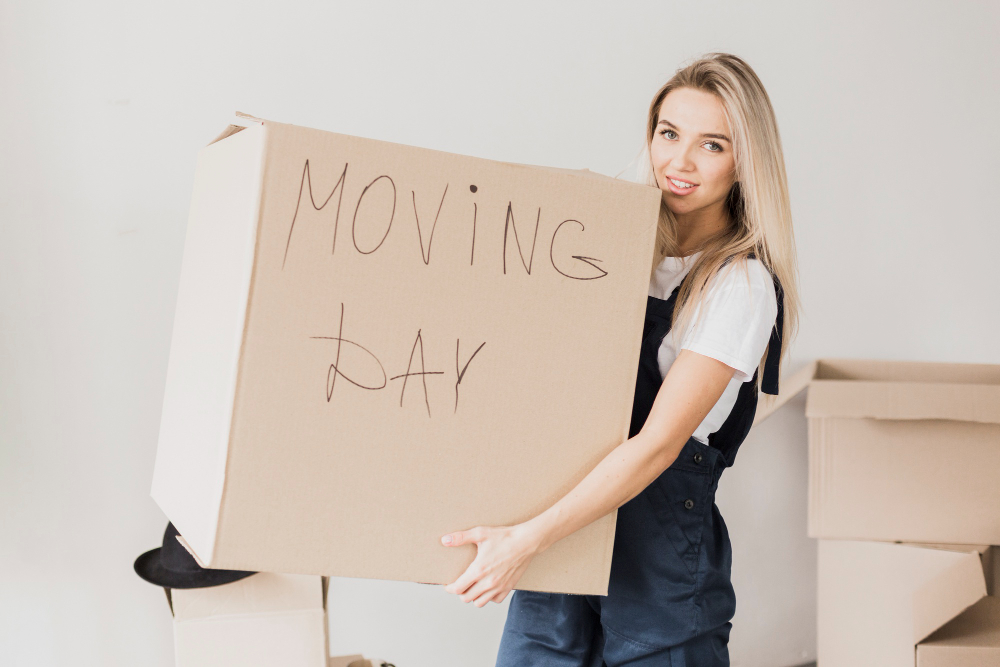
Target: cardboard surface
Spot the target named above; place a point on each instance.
(377, 344)
(261, 621)
(906, 451)
(877, 600)
(972, 639)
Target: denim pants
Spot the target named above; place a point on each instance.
(670, 599)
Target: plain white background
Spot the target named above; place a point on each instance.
(887, 112)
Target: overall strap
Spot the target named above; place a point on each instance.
(769, 383)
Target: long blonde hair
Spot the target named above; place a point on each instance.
(759, 209)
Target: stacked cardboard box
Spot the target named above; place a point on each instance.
(265, 619)
(904, 496)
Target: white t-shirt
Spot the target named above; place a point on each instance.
(740, 310)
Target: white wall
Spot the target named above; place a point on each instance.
(888, 115)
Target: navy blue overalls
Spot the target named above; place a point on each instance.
(670, 598)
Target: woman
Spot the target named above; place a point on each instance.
(724, 273)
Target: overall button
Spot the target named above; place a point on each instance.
(697, 457)
(688, 504)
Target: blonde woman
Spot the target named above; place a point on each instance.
(724, 273)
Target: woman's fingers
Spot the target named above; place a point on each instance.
(462, 584)
(473, 535)
(496, 568)
(480, 587)
(486, 597)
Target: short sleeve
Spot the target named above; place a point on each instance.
(734, 321)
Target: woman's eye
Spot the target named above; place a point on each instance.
(714, 147)
(669, 134)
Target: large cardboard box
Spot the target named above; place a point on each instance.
(261, 621)
(972, 639)
(878, 600)
(906, 451)
(375, 345)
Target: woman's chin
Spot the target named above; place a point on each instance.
(678, 207)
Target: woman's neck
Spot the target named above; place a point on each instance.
(693, 229)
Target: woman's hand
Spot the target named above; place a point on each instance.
(503, 554)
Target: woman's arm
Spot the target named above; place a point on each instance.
(692, 387)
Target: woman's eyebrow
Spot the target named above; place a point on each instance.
(663, 121)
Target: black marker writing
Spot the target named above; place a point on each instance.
(427, 255)
(475, 210)
(578, 257)
(307, 181)
(392, 215)
(423, 373)
(334, 370)
(461, 373)
(510, 224)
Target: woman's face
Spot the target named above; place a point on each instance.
(692, 153)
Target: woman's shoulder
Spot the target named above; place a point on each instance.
(740, 309)
(746, 280)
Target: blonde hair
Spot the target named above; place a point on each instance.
(759, 209)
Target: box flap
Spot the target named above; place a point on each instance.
(978, 626)
(789, 388)
(240, 122)
(209, 318)
(945, 596)
(904, 400)
(877, 600)
(883, 389)
(881, 370)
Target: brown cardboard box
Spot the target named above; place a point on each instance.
(260, 621)
(878, 600)
(972, 639)
(898, 450)
(376, 344)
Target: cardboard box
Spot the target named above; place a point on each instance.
(906, 451)
(375, 345)
(878, 600)
(972, 639)
(261, 621)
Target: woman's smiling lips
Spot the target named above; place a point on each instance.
(679, 186)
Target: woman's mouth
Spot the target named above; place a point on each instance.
(679, 187)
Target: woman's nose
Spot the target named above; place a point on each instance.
(682, 159)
